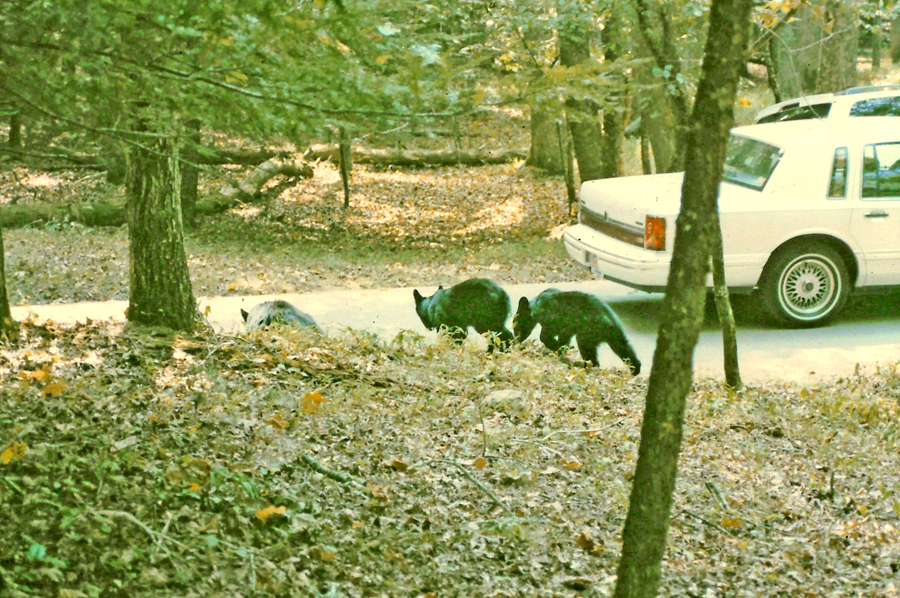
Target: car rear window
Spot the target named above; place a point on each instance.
(797, 112)
(876, 107)
(750, 162)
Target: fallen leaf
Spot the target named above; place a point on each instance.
(55, 389)
(311, 401)
(264, 514)
(13, 452)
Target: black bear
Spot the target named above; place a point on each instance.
(279, 311)
(478, 302)
(564, 314)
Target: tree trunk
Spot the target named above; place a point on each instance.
(646, 526)
(726, 315)
(614, 110)
(646, 164)
(346, 165)
(582, 115)
(895, 41)
(817, 55)
(7, 325)
(190, 172)
(565, 152)
(15, 131)
(545, 153)
(160, 284)
(668, 130)
(876, 45)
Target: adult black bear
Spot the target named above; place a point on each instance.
(478, 302)
(564, 314)
(279, 311)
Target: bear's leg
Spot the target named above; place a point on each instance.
(587, 345)
(553, 341)
(621, 347)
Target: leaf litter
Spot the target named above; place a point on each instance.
(286, 463)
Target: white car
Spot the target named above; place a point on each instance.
(881, 100)
(810, 212)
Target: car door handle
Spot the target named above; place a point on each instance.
(877, 215)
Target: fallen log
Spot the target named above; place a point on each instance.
(252, 185)
(113, 214)
(396, 157)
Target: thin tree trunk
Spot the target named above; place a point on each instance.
(15, 131)
(772, 72)
(895, 41)
(190, 172)
(565, 151)
(726, 315)
(161, 291)
(345, 164)
(646, 165)
(7, 325)
(646, 526)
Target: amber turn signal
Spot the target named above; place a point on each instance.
(655, 233)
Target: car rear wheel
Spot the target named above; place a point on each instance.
(805, 285)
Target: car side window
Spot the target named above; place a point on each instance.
(881, 170)
(837, 187)
(876, 107)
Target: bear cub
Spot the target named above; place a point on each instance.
(564, 314)
(281, 312)
(478, 302)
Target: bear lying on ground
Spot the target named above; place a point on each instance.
(478, 302)
(564, 314)
(281, 312)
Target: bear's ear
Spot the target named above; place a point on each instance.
(440, 286)
(244, 315)
(524, 306)
(417, 296)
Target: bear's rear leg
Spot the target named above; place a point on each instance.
(588, 349)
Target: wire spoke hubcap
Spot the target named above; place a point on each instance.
(809, 286)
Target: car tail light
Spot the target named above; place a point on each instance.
(655, 233)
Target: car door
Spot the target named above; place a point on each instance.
(875, 223)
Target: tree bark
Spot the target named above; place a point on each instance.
(646, 526)
(346, 164)
(581, 114)
(545, 150)
(726, 315)
(190, 172)
(565, 152)
(15, 131)
(895, 41)
(160, 291)
(614, 109)
(7, 325)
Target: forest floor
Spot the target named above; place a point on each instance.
(282, 463)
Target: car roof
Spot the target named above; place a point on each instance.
(852, 95)
(824, 131)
